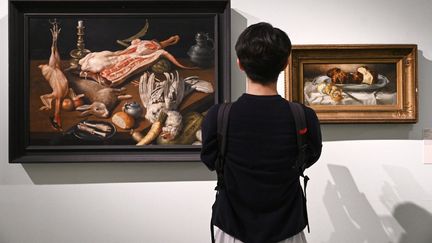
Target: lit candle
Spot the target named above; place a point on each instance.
(80, 23)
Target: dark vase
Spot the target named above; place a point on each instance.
(202, 53)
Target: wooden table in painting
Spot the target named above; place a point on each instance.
(42, 133)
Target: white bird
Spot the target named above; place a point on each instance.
(165, 96)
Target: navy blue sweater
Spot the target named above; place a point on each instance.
(262, 199)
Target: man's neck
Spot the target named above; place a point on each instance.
(255, 88)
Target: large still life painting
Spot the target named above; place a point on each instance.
(123, 87)
(138, 83)
(355, 83)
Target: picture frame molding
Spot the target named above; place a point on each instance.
(20, 151)
(403, 55)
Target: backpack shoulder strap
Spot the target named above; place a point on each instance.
(301, 131)
(300, 165)
(222, 129)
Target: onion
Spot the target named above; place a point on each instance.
(67, 105)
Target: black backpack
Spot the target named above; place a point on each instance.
(300, 165)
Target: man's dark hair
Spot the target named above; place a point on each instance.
(263, 52)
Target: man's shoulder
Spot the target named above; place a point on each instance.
(309, 112)
(215, 108)
(308, 109)
(211, 114)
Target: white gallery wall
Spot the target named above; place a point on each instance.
(370, 185)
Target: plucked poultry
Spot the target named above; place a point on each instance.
(53, 73)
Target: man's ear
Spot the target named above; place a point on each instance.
(239, 65)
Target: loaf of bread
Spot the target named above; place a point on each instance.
(337, 75)
(362, 75)
(369, 77)
(123, 120)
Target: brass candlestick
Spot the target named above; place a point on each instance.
(80, 52)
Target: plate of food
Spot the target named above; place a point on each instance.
(363, 80)
(94, 130)
(380, 83)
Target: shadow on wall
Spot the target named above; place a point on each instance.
(77, 173)
(354, 219)
(404, 187)
(238, 78)
(339, 132)
(416, 222)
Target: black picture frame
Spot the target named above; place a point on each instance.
(20, 151)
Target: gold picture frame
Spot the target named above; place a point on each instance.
(355, 83)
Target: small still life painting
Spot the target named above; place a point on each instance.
(350, 84)
(120, 80)
(355, 83)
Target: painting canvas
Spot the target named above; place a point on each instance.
(350, 84)
(355, 83)
(118, 89)
(121, 81)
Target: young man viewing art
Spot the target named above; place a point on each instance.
(261, 200)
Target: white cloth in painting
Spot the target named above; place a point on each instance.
(314, 97)
(222, 237)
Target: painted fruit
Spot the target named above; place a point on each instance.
(67, 105)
